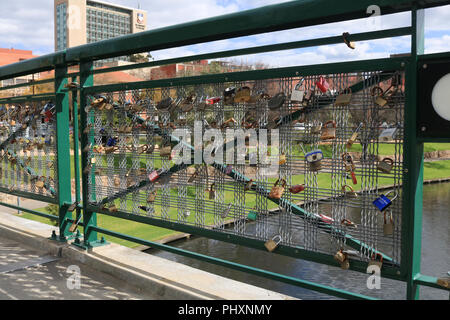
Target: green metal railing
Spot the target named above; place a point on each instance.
(252, 22)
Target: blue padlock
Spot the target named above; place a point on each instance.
(111, 142)
(383, 202)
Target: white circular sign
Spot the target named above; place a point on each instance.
(440, 98)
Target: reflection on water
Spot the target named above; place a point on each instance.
(435, 259)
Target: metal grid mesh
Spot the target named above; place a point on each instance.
(203, 196)
(28, 148)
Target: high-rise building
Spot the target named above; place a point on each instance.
(78, 22)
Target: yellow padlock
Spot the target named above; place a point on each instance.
(271, 245)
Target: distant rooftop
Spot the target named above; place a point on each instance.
(113, 5)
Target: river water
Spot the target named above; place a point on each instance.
(435, 259)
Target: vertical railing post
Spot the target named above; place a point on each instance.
(76, 149)
(414, 158)
(89, 218)
(63, 151)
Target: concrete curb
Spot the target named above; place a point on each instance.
(167, 279)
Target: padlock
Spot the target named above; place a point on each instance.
(155, 175)
(116, 182)
(228, 169)
(340, 256)
(187, 104)
(378, 94)
(242, 95)
(298, 94)
(152, 196)
(348, 223)
(40, 183)
(297, 189)
(350, 192)
(248, 185)
(278, 191)
(228, 95)
(282, 159)
(165, 104)
(386, 165)
(212, 101)
(252, 215)
(329, 130)
(165, 151)
(227, 211)
(271, 245)
(212, 192)
(383, 202)
(277, 101)
(142, 149)
(388, 134)
(344, 98)
(113, 208)
(354, 136)
(109, 150)
(388, 226)
(314, 159)
(375, 262)
(323, 85)
(348, 162)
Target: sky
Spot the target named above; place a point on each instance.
(29, 24)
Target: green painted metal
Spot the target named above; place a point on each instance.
(356, 66)
(236, 266)
(428, 281)
(413, 165)
(265, 49)
(89, 217)
(37, 213)
(63, 150)
(76, 149)
(29, 195)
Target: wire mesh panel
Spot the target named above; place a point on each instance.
(320, 167)
(28, 148)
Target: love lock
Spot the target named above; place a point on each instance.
(375, 262)
(388, 226)
(329, 130)
(212, 101)
(165, 151)
(227, 123)
(349, 43)
(298, 94)
(383, 202)
(282, 159)
(242, 95)
(342, 258)
(188, 103)
(109, 150)
(252, 215)
(297, 189)
(227, 211)
(316, 129)
(165, 104)
(155, 175)
(117, 182)
(354, 136)
(348, 223)
(152, 197)
(314, 159)
(348, 162)
(249, 185)
(350, 192)
(271, 245)
(228, 95)
(344, 98)
(278, 191)
(386, 165)
(323, 85)
(228, 169)
(378, 95)
(277, 101)
(40, 183)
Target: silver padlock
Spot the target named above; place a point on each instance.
(388, 226)
(271, 245)
(298, 94)
(386, 165)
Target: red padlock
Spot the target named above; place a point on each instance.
(154, 175)
(323, 85)
(297, 189)
(326, 219)
(213, 100)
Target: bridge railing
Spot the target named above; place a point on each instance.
(125, 137)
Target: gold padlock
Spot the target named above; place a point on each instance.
(152, 196)
(329, 130)
(375, 262)
(109, 150)
(271, 245)
(242, 95)
(113, 208)
(40, 183)
(378, 93)
(386, 165)
(354, 136)
(344, 98)
(282, 160)
(388, 226)
(277, 192)
(342, 258)
(117, 182)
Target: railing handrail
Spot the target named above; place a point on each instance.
(250, 22)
